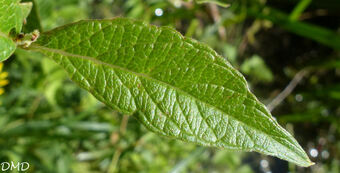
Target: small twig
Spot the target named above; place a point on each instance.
(316, 13)
(243, 45)
(217, 19)
(289, 88)
(123, 125)
(114, 161)
(115, 158)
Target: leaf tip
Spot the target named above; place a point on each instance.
(310, 164)
(306, 163)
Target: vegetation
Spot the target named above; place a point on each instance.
(288, 53)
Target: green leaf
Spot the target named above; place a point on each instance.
(12, 15)
(174, 85)
(257, 68)
(25, 9)
(7, 47)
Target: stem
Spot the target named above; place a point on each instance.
(289, 88)
(217, 19)
(115, 158)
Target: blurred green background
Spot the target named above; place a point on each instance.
(287, 50)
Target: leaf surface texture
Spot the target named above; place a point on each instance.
(174, 85)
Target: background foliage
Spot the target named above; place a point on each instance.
(50, 122)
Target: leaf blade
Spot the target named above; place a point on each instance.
(173, 85)
(7, 47)
(12, 15)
